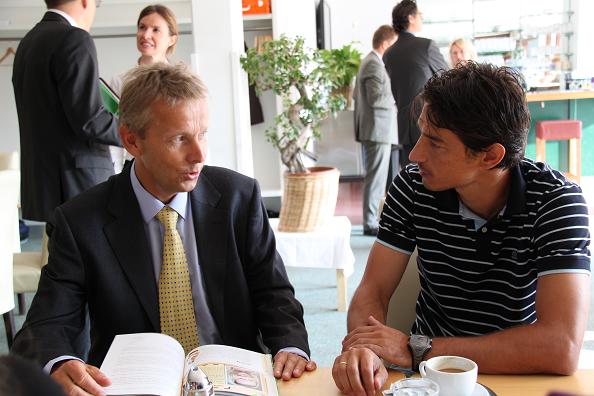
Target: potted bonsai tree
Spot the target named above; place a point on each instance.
(306, 82)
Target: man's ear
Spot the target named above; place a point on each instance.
(493, 155)
(130, 141)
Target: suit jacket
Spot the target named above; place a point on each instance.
(63, 125)
(99, 262)
(410, 62)
(375, 111)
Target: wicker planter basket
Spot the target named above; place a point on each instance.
(309, 199)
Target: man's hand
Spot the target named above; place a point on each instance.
(387, 343)
(288, 365)
(359, 372)
(77, 378)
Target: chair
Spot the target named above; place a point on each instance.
(9, 161)
(27, 271)
(26, 265)
(570, 130)
(401, 311)
(9, 187)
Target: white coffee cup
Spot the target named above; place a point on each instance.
(455, 375)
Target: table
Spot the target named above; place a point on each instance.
(320, 382)
(327, 247)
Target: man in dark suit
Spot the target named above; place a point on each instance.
(107, 250)
(410, 62)
(375, 124)
(64, 128)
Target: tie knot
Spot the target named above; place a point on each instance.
(167, 217)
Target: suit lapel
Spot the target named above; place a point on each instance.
(127, 237)
(210, 224)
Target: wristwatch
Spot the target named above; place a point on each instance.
(419, 346)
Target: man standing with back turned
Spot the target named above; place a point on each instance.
(375, 124)
(410, 62)
(64, 128)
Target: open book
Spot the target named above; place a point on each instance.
(154, 364)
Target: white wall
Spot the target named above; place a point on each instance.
(583, 58)
(355, 21)
(218, 43)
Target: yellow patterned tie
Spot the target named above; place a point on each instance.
(176, 308)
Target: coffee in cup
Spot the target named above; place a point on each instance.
(455, 375)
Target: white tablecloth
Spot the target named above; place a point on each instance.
(327, 247)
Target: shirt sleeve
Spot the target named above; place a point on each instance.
(396, 228)
(561, 232)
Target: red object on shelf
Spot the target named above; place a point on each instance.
(255, 7)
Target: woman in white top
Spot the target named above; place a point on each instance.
(156, 36)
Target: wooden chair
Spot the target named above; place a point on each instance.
(27, 271)
(26, 265)
(570, 130)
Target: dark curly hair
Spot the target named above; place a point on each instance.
(482, 104)
(400, 14)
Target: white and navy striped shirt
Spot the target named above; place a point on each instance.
(476, 281)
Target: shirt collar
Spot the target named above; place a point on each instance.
(516, 201)
(65, 15)
(149, 205)
(378, 55)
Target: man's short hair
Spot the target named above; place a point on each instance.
(383, 33)
(56, 3)
(482, 104)
(160, 81)
(400, 14)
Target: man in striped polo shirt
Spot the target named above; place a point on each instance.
(502, 244)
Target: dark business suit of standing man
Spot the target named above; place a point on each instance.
(99, 260)
(410, 62)
(64, 128)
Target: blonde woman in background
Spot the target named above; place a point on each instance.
(461, 50)
(156, 37)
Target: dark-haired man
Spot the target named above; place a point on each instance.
(502, 244)
(64, 129)
(410, 62)
(375, 124)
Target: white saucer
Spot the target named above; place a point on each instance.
(480, 390)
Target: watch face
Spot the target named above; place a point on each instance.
(419, 341)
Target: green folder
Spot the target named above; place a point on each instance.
(111, 100)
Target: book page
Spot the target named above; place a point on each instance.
(144, 364)
(236, 371)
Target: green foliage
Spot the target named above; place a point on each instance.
(305, 79)
(342, 63)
